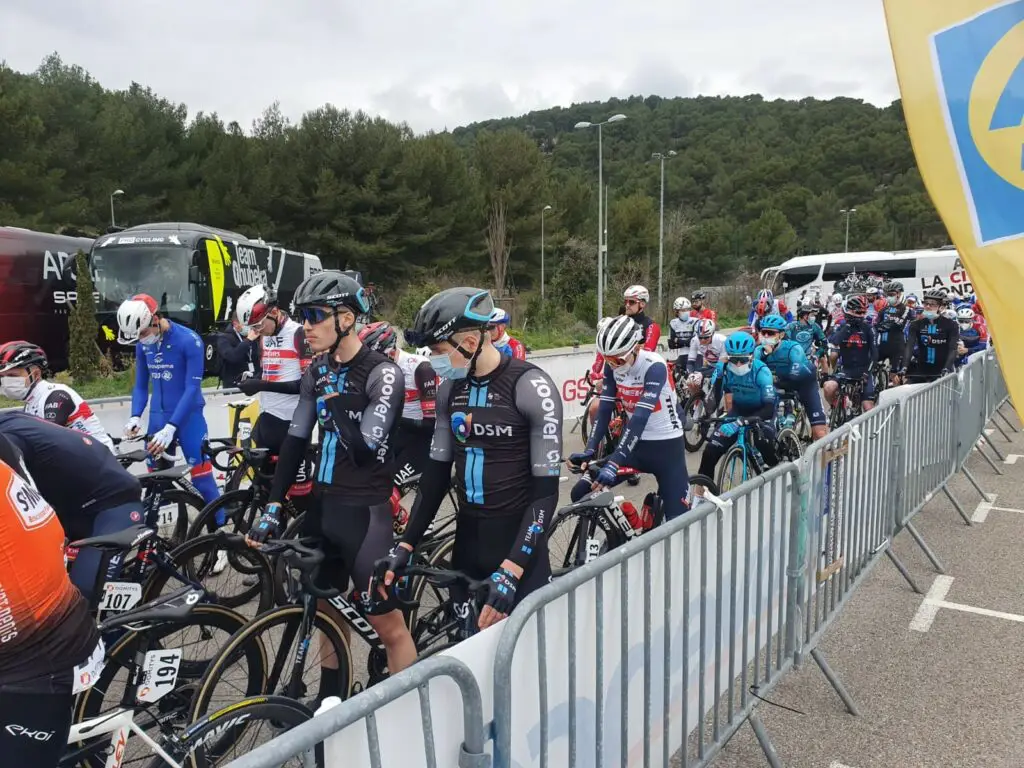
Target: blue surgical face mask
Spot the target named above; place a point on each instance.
(442, 365)
(931, 314)
(740, 369)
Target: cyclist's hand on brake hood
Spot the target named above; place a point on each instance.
(162, 440)
(385, 568)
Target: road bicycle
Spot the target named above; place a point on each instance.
(791, 414)
(848, 404)
(744, 460)
(694, 413)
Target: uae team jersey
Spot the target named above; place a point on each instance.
(60, 404)
(45, 626)
(420, 386)
(282, 358)
(646, 384)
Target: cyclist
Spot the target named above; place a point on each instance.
(681, 329)
(700, 309)
(283, 357)
(356, 396)
(91, 492)
(49, 646)
(707, 348)
(767, 304)
(171, 356)
(502, 342)
(836, 317)
(806, 332)
(972, 336)
(932, 341)
(499, 420)
(793, 370)
(747, 385)
(23, 369)
(412, 442)
(913, 304)
(891, 328)
(652, 439)
(854, 348)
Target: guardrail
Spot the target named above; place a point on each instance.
(660, 649)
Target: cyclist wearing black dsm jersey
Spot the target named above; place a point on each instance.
(356, 395)
(499, 420)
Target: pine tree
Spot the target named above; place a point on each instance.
(82, 326)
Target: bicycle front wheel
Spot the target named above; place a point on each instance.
(696, 432)
(788, 445)
(734, 469)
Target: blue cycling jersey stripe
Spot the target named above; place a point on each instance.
(477, 396)
(474, 478)
(327, 457)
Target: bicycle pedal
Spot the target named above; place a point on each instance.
(357, 687)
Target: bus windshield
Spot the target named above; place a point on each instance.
(120, 272)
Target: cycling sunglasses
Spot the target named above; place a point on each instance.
(616, 361)
(315, 315)
(768, 332)
(631, 302)
(739, 359)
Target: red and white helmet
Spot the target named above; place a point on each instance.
(133, 315)
(21, 354)
(705, 328)
(254, 304)
(637, 292)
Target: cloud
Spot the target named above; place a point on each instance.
(446, 63)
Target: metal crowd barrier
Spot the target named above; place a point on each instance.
(658, 651)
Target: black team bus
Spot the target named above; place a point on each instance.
(196, 274)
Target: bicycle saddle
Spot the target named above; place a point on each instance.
(601, 500)
(126, 539)
(172, 608)
(172, 473)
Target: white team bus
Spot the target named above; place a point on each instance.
(917, 270)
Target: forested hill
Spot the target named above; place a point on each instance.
(752, 182)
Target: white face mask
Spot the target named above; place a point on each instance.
(14, 387)
(966, 325)
(769, 341)
(740, 369)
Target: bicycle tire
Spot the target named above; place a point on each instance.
(282, 579)
(240, 557)
(182, 522)
(581, 521)
(250, 636)
(121, 656)
(241, 503)
(789, 445)
(585, 421)
(694, 443)
(277, 710)
(439, 557)
(729, 456)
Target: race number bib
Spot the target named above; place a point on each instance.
(159, 673)
(120, 596)
(88, 672)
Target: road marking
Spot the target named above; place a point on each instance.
(984, 507)
(989, 431)
(1011, 458)
(837, 764)
(935, 599)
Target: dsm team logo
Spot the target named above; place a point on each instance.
(462, 424)
(979, 65)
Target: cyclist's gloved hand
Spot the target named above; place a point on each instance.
(132, 428)
(269, 525)
(581, 458)
(384, 569)
(250, 387)
(502, 593)
(608, 474)
(162, 440)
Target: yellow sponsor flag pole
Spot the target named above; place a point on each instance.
(960, 65)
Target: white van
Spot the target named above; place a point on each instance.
(917, 270)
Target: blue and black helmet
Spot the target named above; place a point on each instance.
(740, 344)
(331, 288)
(449, 312)
(773, 323)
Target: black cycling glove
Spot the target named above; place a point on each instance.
(502, 593)
(269, 525)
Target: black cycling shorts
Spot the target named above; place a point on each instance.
(482, 543)
(35, 719)
(270, 433)
(353, 538)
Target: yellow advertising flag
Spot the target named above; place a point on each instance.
(960, 65)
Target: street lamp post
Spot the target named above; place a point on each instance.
(114, 194)
(542, 211)
(600, 206)
(661, 225)
(848, 212)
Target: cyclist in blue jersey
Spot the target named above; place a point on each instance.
(750, 391)
(792, 370)
(171, 357)
(806, 331)
(971, 337)
(855, 351)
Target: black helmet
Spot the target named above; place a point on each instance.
(447, 313)
(21, 354)
(699, 296)
(331, 289)
(894, 286)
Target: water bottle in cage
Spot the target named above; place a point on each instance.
(399, 514)
(641, 520)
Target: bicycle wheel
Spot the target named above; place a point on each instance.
(229, 732)
(239, 511)
(232, 573)
(177, 509)
(700, 481)
(200, 637)
(788, 443)
(734, 469)
(276, 635)
(576, 537)
(285, 584)
(438, 557)
(696, 432)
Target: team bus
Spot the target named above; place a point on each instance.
(917, 270)
(37, 288)
(196, 274)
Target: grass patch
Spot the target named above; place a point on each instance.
(117, 384)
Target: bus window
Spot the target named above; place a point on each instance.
(796, 278)
(898, 269)
(159, 271)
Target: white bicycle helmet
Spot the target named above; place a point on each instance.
(705, 328)
(133, 315)
(681, 304)
(254, 304)
(618, 336)
(965, 316)
(637, 292)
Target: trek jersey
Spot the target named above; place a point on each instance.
(283, 357)
(788, 363)
(931, 345)
(356, 458)
(703, 355)
(857, 347)
(175, 366)
(649, 341)
(61, 405)
(420, 386)
(502, 431)
(809, 336)
(681, 332)
(75, 473)
(753, 392)
(45, 625)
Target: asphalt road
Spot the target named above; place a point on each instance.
(948, 696)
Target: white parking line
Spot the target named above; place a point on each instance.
(837, 764)
(1011, 458)
(984, 507)
(934, 600)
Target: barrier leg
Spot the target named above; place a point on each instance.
(982, 442)
(978, 488)
(925, 548)
(1009, 423)
(834, 681)
(999, 426)
(762, 738)
(902, 570)
(956, 504)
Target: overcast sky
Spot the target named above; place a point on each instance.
(442, 63)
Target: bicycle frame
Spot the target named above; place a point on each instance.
(119, 724)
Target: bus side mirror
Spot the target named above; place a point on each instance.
(193, 275)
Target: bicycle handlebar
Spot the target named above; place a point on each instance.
(440, 577)
(305, 556)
